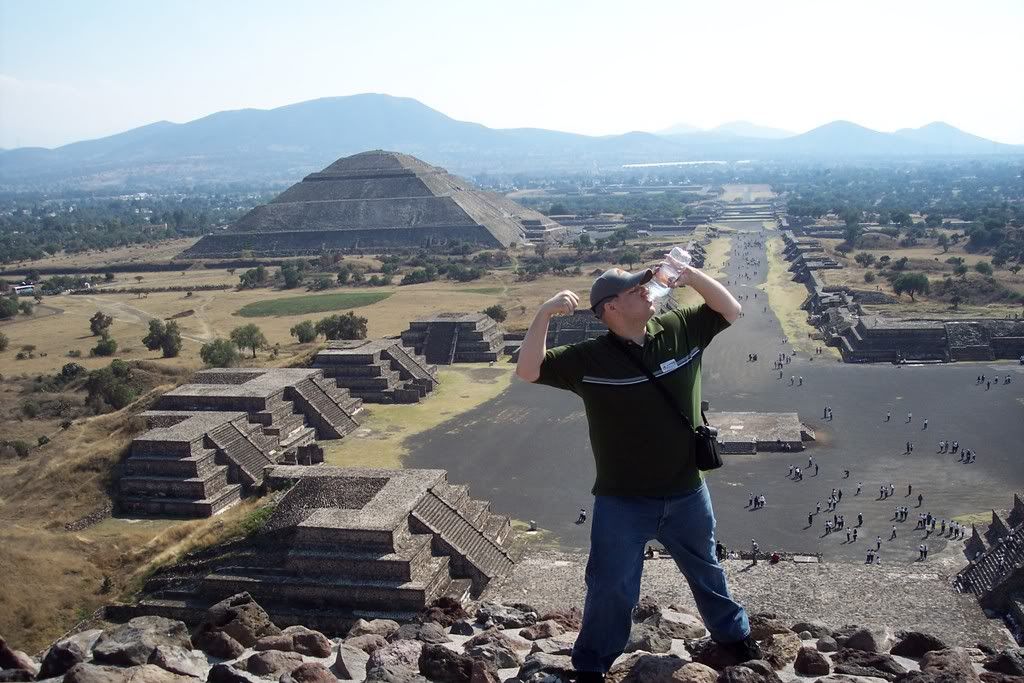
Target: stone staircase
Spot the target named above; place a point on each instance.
(325, 411)
(439, 344)
(994, 567)
(238, 449)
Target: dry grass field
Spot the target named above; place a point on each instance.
(785, 297)
(157, 251)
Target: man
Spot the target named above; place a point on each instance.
(648, 485)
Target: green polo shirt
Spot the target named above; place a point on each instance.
(641, 446)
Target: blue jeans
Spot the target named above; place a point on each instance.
(621, 528)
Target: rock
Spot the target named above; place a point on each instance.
(218, 644)
(396, 659)
(1009, 661)
(132, 644)
(679, 625)
(847, 678)
(559, 645)
(498, 653)
(368, 642)
(505, 617)
(281, 642)
(915, 644)
(815, 628)
(810, 662)
(65, 653)
(780, 649)
(271, 663)
(383, 674)
(647, 668)
(570, 619)
(483, 672)
(827, 644)
(310, 672)
(805, 635)
(994, 677)
(11, 659)
(240, 617)
(867, 640)
(647, 638)
(21, 675)
(380, 627)
(539, 662)
(542, 629)
(440, 664)
(180, 661)
(754, 671)
(462, 627)
(491, 635)
(225, 673)
(94, 673)
(763, 625)
(645, 609)
(445, 611)
(427, 633)
(350, 664)
(308, 642)
(864, 663)
(951, 663)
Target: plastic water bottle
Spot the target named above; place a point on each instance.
(669, 270)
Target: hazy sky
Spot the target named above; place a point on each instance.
(78, 69)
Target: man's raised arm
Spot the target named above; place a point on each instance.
(531, 353)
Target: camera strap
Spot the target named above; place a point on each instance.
(618, 343)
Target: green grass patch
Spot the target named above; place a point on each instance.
(315, 303)
(481, 290)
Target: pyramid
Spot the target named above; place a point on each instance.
(371, 200)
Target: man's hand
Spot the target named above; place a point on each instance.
(685, 276)
(563, 303)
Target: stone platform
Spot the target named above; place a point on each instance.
(378, 371)
(759, 432)
(447, 338)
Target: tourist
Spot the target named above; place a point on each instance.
(815, 469)
(925, 426)
(893, 536)
(860, 484)
(640, 493)
(910, 417)
(855, 534)
(878, 543)
(910, 487)
(920, 499)
(888, 416)
(582, 517)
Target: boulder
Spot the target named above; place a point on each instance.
(647, 668)
(645, 609)
(949, 664)
(240, 617)
(84, 672)
(1009, 661)
(679, 625)
(445, 611)
(463, 627)
(368, 642)
(491, 635)
(542, 629)
(540, 663)
(498, 653)
(310, 672)
(395, 659)
(350, 664)
(559, 645)
(11, 659)
(67, 652)
(308, 642)
(504, 616)
(225, 673)
(384, 674)
(763, 625)
(440, 664)
(181, 661)
(427, 633)
(271, 663)
(21, 676)
(915, 644)
(648, 639)
(816, 628)
(380, 627)
(827, 644)
(754, 671)
(780, 649)
(218, 644)
(869, 640)
(281, 642)
(483, 672)
(864, 663)
(994, 677)
(132, 644)
(570, 619)
(810, 662)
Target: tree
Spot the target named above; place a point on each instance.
(249, 337)
(220, 353)
(960, 270)
(155, 337)
(983, 267)
(629, 256)
(291, 275)
(305, 332)
(138, 278)
(171, 342)
(4, 341)
(105, 347)
(864, 258)
(252, 278)
(8, 307)
(911, 283)
(955, 300)
(99, 323)
(496, 312)
(943, 241)
(25, 307)
(348, 326)
(541, 249)
(869, 276)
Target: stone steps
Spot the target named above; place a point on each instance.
(235, 445)
(181, 507)
(405, 564)
(192, 487)
(331, 421)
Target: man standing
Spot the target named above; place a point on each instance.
(648, 485)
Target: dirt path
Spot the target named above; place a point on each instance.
(126, 313)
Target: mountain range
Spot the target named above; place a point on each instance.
(282, 144)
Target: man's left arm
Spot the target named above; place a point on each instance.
(715, 295)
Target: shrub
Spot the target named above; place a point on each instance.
(66, 424)
(25, 307)
(21, 448)
(43, 440)
(8, 306)
(983, 267)
(220, 353)
(105, 347)
(30, 409)
(75, 353)
(4, 342)
(305, 331)
(496, 312)
(869, 276)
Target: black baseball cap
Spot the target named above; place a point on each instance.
(613, 282)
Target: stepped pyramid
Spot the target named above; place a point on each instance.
(373, 200)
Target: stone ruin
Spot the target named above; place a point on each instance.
(208, 442)
(446, 338)
(995, 572)
(344, 543)
(752, 433)
(378, 371)
(377, 199)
